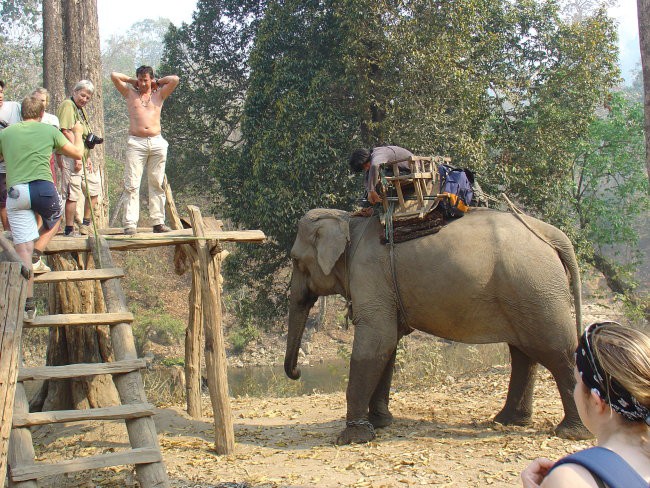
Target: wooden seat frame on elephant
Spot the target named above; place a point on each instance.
(414, 190)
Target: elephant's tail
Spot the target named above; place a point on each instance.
(559, 241)
(565, 250)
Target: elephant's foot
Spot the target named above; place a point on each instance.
(380, 419)
(356, 432)
(573, 430)
(506, 417)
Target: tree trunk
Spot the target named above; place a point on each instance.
(81, 344)
(83, 62)
(643, 12)
(71, 53)
(53, 52)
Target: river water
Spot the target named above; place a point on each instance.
(331, 376)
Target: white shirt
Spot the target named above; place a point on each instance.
(51, 119)
(10, 114)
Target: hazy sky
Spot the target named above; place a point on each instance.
(116, 16)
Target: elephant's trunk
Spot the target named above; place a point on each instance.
(300, 302)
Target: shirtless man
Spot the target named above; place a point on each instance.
(146, 147)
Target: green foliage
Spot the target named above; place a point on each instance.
(157, 326)
(178, 361)
(245, 331)
(202, 118)
(21, 51)
(611, 188)
(537, 136)
(506, 88)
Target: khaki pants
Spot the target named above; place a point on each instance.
(141, 152)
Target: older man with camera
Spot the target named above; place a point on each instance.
(80, 177)
(146, 148)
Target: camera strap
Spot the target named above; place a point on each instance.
(82, 115)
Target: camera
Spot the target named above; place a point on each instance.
(92, 140)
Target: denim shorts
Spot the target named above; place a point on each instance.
(26, 199)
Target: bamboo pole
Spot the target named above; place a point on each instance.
(215, 353)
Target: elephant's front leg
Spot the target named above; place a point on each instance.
(373, 348)
(378, 413)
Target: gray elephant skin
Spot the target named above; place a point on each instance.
(487, 277)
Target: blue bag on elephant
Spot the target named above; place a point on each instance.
(456, 184)
(607, 466)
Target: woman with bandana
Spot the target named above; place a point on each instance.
(612, 394)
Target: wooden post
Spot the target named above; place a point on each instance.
(193, 336)
(142, 431)
(13, 292)
(193, 333)
(215, 354)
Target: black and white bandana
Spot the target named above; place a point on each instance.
(592, 374)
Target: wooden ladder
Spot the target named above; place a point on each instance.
(134, 409)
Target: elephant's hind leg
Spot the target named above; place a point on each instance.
(518, 409)
(561, 367)
(379, 415)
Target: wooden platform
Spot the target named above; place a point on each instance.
(121, 242)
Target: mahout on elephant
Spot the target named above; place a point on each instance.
(489, 277)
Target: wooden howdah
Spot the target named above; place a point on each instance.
(413, 193)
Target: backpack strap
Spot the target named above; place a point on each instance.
(606, 465)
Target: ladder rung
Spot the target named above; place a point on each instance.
(80, 369)
(132, 411)
(62, 320)
(79, 275)
(143, 455)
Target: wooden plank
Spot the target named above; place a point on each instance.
(133, 411)
(142, 431)
(13, 292)
(80, 369)
(66, 319)
(215, 352)
(79, 275)
(149, 239)
(398, 187)
(41, 470)
(426, 174)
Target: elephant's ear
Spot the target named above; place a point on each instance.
(332, 237)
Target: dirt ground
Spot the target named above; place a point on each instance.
(441, 436)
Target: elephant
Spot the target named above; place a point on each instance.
(490, 276)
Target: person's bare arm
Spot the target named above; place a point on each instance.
(74, 149)
(122, 82)
(167, 85)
